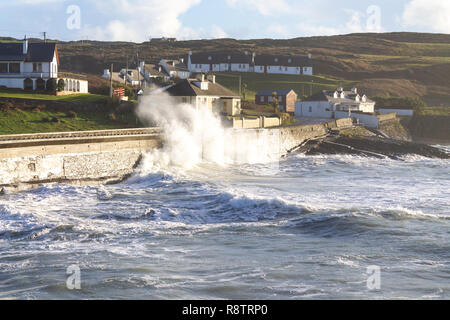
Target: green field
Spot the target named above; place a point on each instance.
(434, 111)
(5, 93)
(301, 84)
(17, 121)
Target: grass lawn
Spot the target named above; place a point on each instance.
(83, 97)
(301, 84)
(18, 121)
(434, 111)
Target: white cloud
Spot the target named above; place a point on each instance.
(357, 22)
(432, 14)
(138, 20)
(264, 7)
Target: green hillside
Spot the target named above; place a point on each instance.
(302, 85)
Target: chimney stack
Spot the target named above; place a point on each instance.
(212, 78)
(25, 45)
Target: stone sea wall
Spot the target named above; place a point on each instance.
(111, 156)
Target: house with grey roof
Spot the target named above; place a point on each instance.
(326, 104)
(29, 66)
(219, 62)
(277, 64)
(206, 92)
(175, 68)
(246, 62)
(153, 71)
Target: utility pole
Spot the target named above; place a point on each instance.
(111, 81)
(240, 85)
(138, 69)
(45, 36)
(126, 73)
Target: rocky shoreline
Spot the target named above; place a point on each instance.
(371, 146)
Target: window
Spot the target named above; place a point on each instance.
(280, 99)
(262, 99)
(3, 68)
(310, 109)
(286, 69)
(37, 67)
(14, 68)
(184, 100)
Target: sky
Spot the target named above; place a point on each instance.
(140, 20)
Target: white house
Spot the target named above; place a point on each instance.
(131, 77)
(152, 71)
(175, 68)
(218, 62)
(283, 65)
(325, 104)
(238, 62)
(204, 91)
(28, 66)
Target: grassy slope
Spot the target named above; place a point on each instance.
(300, 84)
(5, 93)
(26, 121)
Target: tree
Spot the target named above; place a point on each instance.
(244, 90)
(275, 103)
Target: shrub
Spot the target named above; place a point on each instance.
(71, 114)
(56, 120)
(45, 119)
(61, 85)
(51, 85)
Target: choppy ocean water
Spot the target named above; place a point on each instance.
(304, 228)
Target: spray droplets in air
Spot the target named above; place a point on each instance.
(192, 136)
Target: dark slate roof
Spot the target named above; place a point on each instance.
(286, 61)
(153, 70)
(41, 52)
(260, 60)
(179, 66)
(269, 92)
(37, 52)
(217, 58)
(187, 88)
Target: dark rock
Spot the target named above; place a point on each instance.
(372, 147)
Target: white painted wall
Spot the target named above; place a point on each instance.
(314, 109)
(365, 119)
(240, 67)
(15, 83)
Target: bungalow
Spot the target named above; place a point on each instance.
(325, 104)
(238, 62)
(131, 77)
(283, 65)
(152, 71)
(286, 99)
(218, 62)
(29, 66)
(205, 91)
(175, 68)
